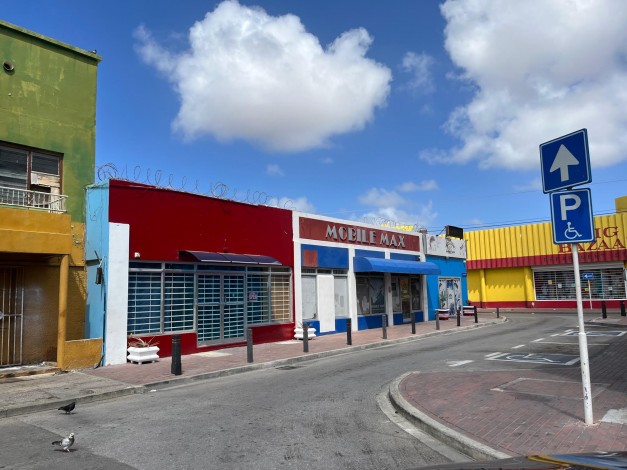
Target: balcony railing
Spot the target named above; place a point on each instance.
(32, 200)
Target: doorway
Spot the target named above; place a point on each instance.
(221, 308)
(11, 315)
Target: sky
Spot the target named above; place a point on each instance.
(419, 113)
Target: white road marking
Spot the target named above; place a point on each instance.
(537, 340)
(493, 354)
(519, 346)
(458, 363)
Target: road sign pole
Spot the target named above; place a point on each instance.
(590, 295)
(583, 344)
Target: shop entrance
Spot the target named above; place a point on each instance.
(11, 315)
(221, 308)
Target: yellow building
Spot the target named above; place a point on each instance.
(520, 266)
(47, 158)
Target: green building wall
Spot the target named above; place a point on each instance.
(48, 102)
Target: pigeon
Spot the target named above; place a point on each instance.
(65, 443)
(68, 408)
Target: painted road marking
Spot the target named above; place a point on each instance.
(519, 346)
(596, 333)
(458, 363)
(553, 359)
(493, 354)
(537, 340)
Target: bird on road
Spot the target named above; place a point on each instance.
(65, 443)
(68, 408)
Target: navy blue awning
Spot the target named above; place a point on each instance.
(362, 264)
(214, 257)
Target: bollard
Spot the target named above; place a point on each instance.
(176, 368)
(622, 308)
(413, 323)
(497, 312)
(349, 331)
(384, 322)
(475, 309)
(249, 345)
(603, 309)
(459, 316)
(305, 337)
(437, 319)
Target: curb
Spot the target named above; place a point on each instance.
(309, 357)
(454, 439)
(129, 389)
(54, 404)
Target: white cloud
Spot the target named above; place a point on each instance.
(298, 204)
(419, 65)
(386, 209)
(274, 170)
(424, 185)
(541, 70)
(248, 75)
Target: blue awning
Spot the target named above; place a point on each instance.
(362, 264)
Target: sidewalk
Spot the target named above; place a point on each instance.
(511, 412)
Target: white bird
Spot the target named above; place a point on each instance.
(65, 443)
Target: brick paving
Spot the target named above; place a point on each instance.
(530, 411)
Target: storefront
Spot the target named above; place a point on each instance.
(163, 262)
(521, 267)
(356, 271)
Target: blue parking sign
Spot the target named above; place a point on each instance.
(571, 216)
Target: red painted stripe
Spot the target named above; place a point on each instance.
(548, 260)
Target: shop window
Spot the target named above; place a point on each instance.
(178, 311)
(144, 303)
(370, 295)
(340, 294)
(281, 298)
(606, 283)
(310, 297)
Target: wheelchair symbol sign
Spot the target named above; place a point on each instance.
(571, 216)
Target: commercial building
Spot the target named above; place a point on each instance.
(47, 156)
(521, 267)
(164, 262)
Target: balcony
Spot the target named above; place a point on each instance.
(33, 200)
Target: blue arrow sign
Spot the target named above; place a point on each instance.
(587, 276)
(565, 162)
(571, 216)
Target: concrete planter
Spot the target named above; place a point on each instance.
(141, 355)
(298, 333)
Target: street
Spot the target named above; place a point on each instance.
(321, 414)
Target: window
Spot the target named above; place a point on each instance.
(23, 170)
(370, 295)
(340, 294)
(606, 283)
(310, 297)
(162, 297)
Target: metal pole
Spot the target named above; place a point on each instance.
(349, 331)
(459, 316)
(176, 367)
(437, 319)
(249, 345)
(475, 310)
(583, 344)
(622, 308)
(603, 309)
(413, 323)
(590, 295)
(384, 326)
(305, 337)
(497, 312)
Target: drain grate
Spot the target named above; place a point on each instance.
(288, 367)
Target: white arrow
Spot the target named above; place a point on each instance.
(562, 161)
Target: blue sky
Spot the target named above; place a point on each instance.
(418, 112)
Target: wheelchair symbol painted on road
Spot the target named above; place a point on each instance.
(553, 359)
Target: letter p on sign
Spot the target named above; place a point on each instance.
(565, 206)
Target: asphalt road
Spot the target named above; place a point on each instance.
(322, 414)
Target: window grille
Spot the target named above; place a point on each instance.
(144, 303)
(607, 283)
(257, 305)
(281, 298)
(178, 312)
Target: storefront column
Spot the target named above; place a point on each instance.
(64, 270)
(529, 292)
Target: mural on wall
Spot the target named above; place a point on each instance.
(447, 247)
(450, 293)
